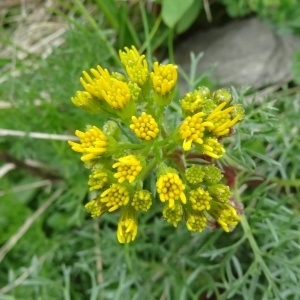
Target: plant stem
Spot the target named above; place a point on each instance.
(146, 31)
(147, 169)
(286, 182)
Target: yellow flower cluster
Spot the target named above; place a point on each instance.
(144, 127)
(213, 148)
(196, 221)
(173, 214)
(170, 188)
(221, 120)
(86, 101)
(192, 130)
(96, 207)
(142, 200)
(127, 227)
(93, 143)
(205, 127)
(200, 199)
(225, 215)
(97, 179)
(136, 65)
(163, 78)
(128, 168)
(143, 151)
(115, 196)
(192, 102)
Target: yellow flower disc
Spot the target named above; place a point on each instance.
(127, 226)
(221, 120)
(213, 148)
(196, 221)
(135, 64)
(144, 127)
(174, 214)
(200, 199)
(128, 168)
(115, 197)
(192, 130)
(170, 188)
(93, 143)
(164, 78)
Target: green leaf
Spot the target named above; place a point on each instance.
(173, 11)
(189, 17)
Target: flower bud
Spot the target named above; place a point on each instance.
(87, 102)
(195, 221)
(220, 192)
(222, 95)
(204, 92)
(212, 174)
(97, 179)
(127, 226)
(194, 174)
(200, 199)
(135, 65)
(96, 207)
(142, 200)
(174, 214)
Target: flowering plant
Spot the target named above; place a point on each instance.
(138, 159)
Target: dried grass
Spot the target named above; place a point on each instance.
(31, 28)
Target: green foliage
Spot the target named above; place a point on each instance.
(180, 14)
(283, 13)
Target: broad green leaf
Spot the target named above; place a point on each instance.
(189, 17)
(173, 10)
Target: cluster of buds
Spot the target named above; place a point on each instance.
(140, 158)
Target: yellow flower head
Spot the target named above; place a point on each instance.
(86, 101)
(144, 127)
(96, 207)
(213, 148)
(97, 179)
(164, 78)
(200, 199)
(114, 91)
(128, 168)
(135, 64)
(127, 226)
(92, 85)
(227, 216)
(195, 221)
(170, 188)
(174, 214)
(192, 130)
(222, 120)
(142, 200)
(115, 197)
(93, 143)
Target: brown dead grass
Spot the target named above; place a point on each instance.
(28, 27)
